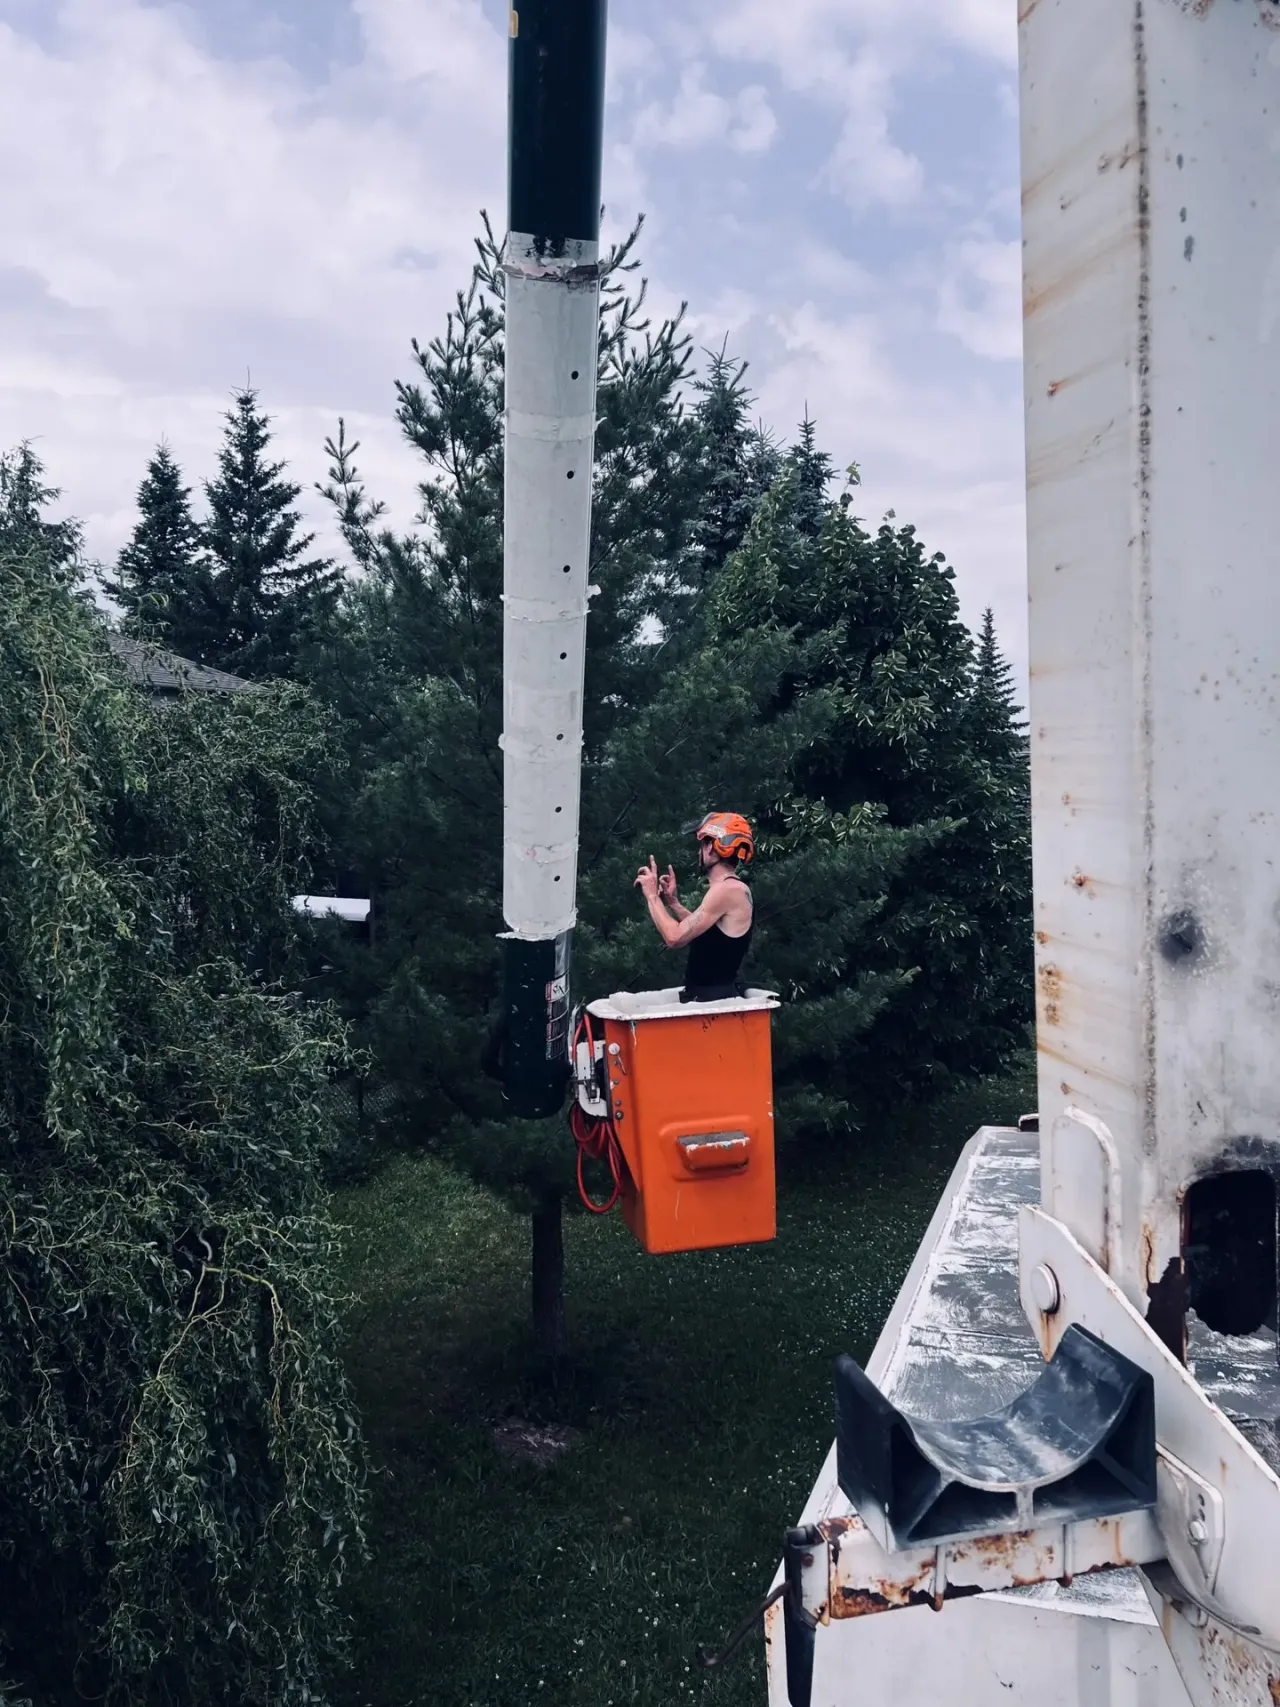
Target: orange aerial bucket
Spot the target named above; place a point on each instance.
(689, 1089)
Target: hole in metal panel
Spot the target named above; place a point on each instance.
(1181, 936)
(1230, 1250)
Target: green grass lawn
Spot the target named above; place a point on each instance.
(700, 1397)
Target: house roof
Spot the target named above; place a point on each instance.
(165, 673)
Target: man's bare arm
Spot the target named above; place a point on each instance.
(676, 933)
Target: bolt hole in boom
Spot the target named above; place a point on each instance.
(1230, 1251)
(1180, 936)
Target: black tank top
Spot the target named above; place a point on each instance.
(715, 959)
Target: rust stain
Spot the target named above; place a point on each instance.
(1069, 1060)
(1127, 154)
(1026, 9)
(1148, 1254)
(1273, 1687)
(859, 1602)
(1042, 936)
(889, 1596)
(1001, 1550)
(1049, 980)
(1167, 1308)
(1092, 261)
(1063, 458)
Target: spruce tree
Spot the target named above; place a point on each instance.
(162, 578)
(920, 741)
(24, 497)
(417, 673)
(268, 600)
(993, 683)
(738, 462)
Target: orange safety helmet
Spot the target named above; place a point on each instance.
(729, 834)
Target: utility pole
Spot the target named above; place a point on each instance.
(551, 268)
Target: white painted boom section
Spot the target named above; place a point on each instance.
(1151, 218)
(552, 321)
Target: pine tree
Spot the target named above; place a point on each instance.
(417, 673)
(813, 475)
(997, 737)
(727, 731)
(24, 497)
(993, 684)
(738, 462)
(267, 599)
(162, 578)
(917, 741)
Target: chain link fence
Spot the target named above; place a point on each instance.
(363, 1108)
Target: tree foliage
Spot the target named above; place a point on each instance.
(179, 1467)
(163, 575)
(24, 497)
(750, 647)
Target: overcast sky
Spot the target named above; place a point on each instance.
(289, 189)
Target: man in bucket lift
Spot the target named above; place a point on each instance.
(719, 931)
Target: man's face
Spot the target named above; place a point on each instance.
(706, 856)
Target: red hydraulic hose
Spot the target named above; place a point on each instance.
(594, 1137)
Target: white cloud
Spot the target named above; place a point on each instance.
(630, 56)
(167, 182)
(980, 298)
(754, 126)
(184, 219)
(852, 54)
(696, 116)
(867, 166)
(726, 316)
(945, 455)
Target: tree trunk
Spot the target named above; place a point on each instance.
(548, 1277)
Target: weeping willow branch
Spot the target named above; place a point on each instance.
(181, 1476)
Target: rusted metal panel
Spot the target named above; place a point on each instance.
(865, 1579)
(1152, 299)
(1219, 1669)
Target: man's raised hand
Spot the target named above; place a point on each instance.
(647, 879)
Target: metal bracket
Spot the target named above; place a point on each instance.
(590, 1082)
(1078, 1443)
(1192, 1518)
(1209, 1452)
(837, 1569)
